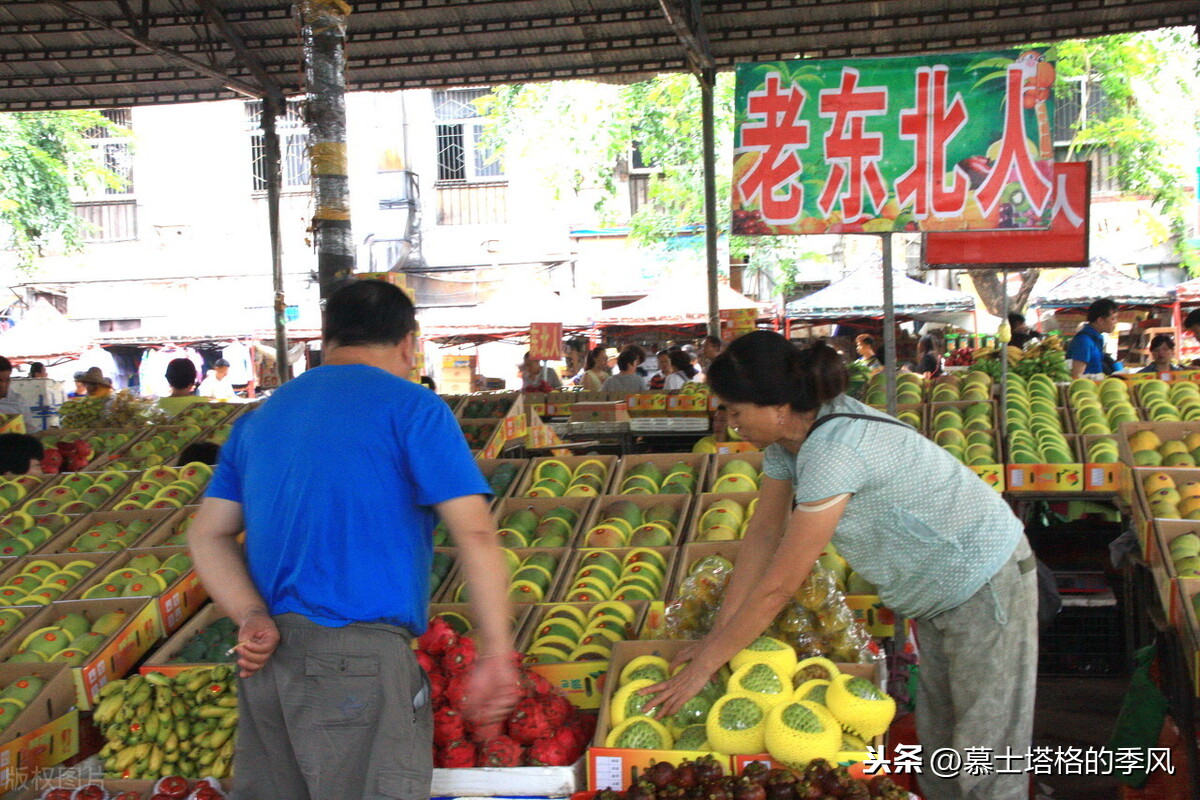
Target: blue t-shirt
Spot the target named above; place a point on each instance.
(919, 525)
(337, 473)
(1088, 346)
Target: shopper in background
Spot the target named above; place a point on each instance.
(333, 580)
(1086, 350)
(1022, 334)
(655, 383)
(20, 454)
(929, 363)
(861, 480)
(1162, 355)
(682, 371)
(710, 348)
(94, 382)
(8, 403)
(217, 385)
(626, 381)
(536, 376)
(181, 377)
(38, 370)
(865, 345)
(596, 370)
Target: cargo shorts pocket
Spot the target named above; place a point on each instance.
(343, 689)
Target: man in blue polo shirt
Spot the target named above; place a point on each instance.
(338, 481)
(1086, 351)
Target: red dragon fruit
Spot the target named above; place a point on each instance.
(455, 693)
(460, 753)
(558, 708)
(549, 752)
(581, 726)
(438, 637)
(501, 752)
(533, 683)
(427, 662)
(437, 687)
(530, 720)
(448, 726)
(459, 658)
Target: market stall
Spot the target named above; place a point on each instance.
(1068, 301)
(677, 308)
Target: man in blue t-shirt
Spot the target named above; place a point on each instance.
(1086, 351)
(338, 480)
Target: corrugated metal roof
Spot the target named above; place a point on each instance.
(51, 57)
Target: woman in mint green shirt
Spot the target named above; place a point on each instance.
(941, 545)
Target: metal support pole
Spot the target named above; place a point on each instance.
(270, 110)
(889, 324)
(708, 82)
(1003, 355)
(324, 35)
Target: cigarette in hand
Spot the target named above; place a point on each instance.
(235, 648)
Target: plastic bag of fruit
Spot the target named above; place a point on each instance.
(817, 621)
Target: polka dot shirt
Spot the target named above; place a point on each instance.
(919, 525)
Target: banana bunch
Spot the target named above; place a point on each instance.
(1044, 358)
(157, 726)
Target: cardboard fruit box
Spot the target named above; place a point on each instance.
(176, 604)
(1166, 431)
(1100, 477)
(160, 659)
(46, 731)
(754, 459)
(610, 767)
(572, 463)
(18, 566)
(582, 506)
(1141, 504)
(681, 503)
(520, 615)
(172, 532)
(508, 781)
(66, 539)
(581, 681)
(561, 554)
(488, 467)
(664, 461)
(1046, 478)
(704, 502)
(582, 559)
(115, 656)
(1162, 567)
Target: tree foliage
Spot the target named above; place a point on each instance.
(43, 156)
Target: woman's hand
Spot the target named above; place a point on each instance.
(670, 695)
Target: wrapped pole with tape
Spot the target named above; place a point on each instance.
(323, 30)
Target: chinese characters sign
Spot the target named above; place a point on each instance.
(545, 340)
(930, 143)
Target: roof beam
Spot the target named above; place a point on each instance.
(687, 20)
(198, 66)
(248, 57)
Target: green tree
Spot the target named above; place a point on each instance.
(43, 155)
(1151, 107)
(582, 133)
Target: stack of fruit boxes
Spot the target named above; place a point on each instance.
(46, 731)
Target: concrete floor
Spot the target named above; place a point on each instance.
(1077, 712)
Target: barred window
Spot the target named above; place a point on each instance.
(114, 151)
(461, 156)
(293, 147)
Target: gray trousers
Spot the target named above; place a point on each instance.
(335, 714)
(977, 683)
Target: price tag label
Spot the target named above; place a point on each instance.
(609, 772)
(1016, 479)
(1097, 476)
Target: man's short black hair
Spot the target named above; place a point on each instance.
(181, 373)
(368, 312)
(202, 452)
(1015, 318)
(1192, 319)
(5, 364)
(17, 453)
(1104, 307)
(715, 341)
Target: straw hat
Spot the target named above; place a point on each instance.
(93, 376)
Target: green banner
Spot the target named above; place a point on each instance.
(927, 143)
